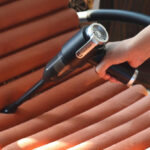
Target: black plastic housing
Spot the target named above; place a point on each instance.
(66, 60)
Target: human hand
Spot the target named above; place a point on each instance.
(119, 52)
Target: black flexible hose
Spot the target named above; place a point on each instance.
(115, 15)
(124, 16)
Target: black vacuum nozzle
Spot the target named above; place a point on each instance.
(13, 107)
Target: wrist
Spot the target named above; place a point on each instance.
(136, 49)
(128, 46)
(141, 42)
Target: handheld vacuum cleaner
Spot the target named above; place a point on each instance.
(86, 46)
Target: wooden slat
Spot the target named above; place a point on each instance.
(139, 141)
(109, 138)
(36, 31)
(51, 98)
(60, 113)
(76, 110)
(23, 10)
(82, 120)
(22, 62)
(5, 1)
(15, 89)
(101, 127)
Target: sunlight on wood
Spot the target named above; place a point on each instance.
(82, 146)
(26, 141)
(54, 146)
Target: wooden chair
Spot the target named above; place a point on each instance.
(83, 111)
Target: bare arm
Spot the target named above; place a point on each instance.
(135, 51)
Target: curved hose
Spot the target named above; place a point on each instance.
(115, 15)
(124, 16)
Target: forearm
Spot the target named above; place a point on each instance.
(141, 43)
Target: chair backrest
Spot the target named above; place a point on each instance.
(31, 33)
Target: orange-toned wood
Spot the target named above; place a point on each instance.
(84, 119)
(78, 109)
(102, 141)
(22, 62)
(36, 31)
(111, 122)
(139, 141)
(61, 113)
(22, 10)
(52, 98)
(6, 1)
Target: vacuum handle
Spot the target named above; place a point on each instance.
(122, 72)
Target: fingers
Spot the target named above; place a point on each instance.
(107, 77)
(101, 70)
(113, 56)
(136, 63)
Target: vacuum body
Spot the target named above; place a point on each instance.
(85, 46)
(76, 51)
